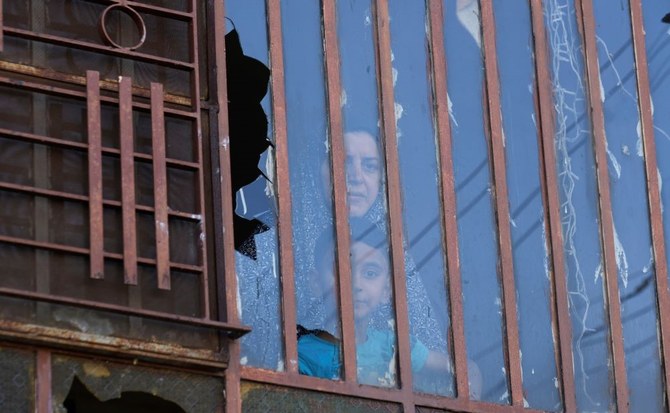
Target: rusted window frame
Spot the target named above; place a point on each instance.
(559, 295)
(187, 108)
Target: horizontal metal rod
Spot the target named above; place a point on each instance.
(46, 140)
(92, 47)
(24, 85)
(232, 331)
(85, 251)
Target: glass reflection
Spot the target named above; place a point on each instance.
(419, 173)
(579, 210)
(629, 206)
(529, 245)
(482, 303)
(256, 257)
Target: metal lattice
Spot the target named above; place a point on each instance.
(17, 381)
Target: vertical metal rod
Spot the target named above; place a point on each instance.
(228, 303)
(195, 102)
(43, 382)
(2, 25)
(160, 187)
(394, 200)
(448, 196)
(286, 264)
(559, 278)
(340, 211)
(95, 208)
(653, 185)
(128, 181)
(611, 276)
(502, 202)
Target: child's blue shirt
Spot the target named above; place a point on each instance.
(321, 358)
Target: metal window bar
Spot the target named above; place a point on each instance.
(559, 278)
(2, 28)
(54, 90)
(383, 37)
(95, 203)
(285, 232)
(127, 181)
(653, 185)
(160, 187)
(502, 202)
(196, 108)
(439, 70)
(227, 289)
(611, 275)
(340, 210)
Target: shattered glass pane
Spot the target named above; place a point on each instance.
(107, 381)
(482, 303)
(634, 254)
(425, 265)
(257, 258)
(311, 192)
(17, 380)
(532, 266)
(579, 209)
(268, 398)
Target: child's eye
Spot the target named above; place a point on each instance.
(371, 273)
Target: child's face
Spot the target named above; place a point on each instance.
(370, 279)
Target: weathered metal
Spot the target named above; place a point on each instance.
(448, 194)
(95, 208)
(160, 188)
(550, 194)
(127, 181)
(611, 273)
(494, 116)
(340, 210)
(653, 186)
(395, 206)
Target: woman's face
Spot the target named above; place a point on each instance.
(363, 172)
(363, 168)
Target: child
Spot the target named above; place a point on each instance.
(319, 350)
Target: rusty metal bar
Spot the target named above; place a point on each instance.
(160, 188)
(48, 193)
(502, 203)
(232, 330)
(381, 394)
(34, 138)
(653, 186)
(393, 186)
(439, 66)
(197, 131)
(611, 275)
(340, 210)
(196, 269)
(546, 122)
(26, 85)
(92, 47)
(151, 9)
(2, 29)
(95, 211)
(227, 297)
(127, 181)
(285, 232)
(43, 381)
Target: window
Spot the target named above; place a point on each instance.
(512, 152)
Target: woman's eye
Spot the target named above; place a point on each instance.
(371, 274)
(370, 166)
